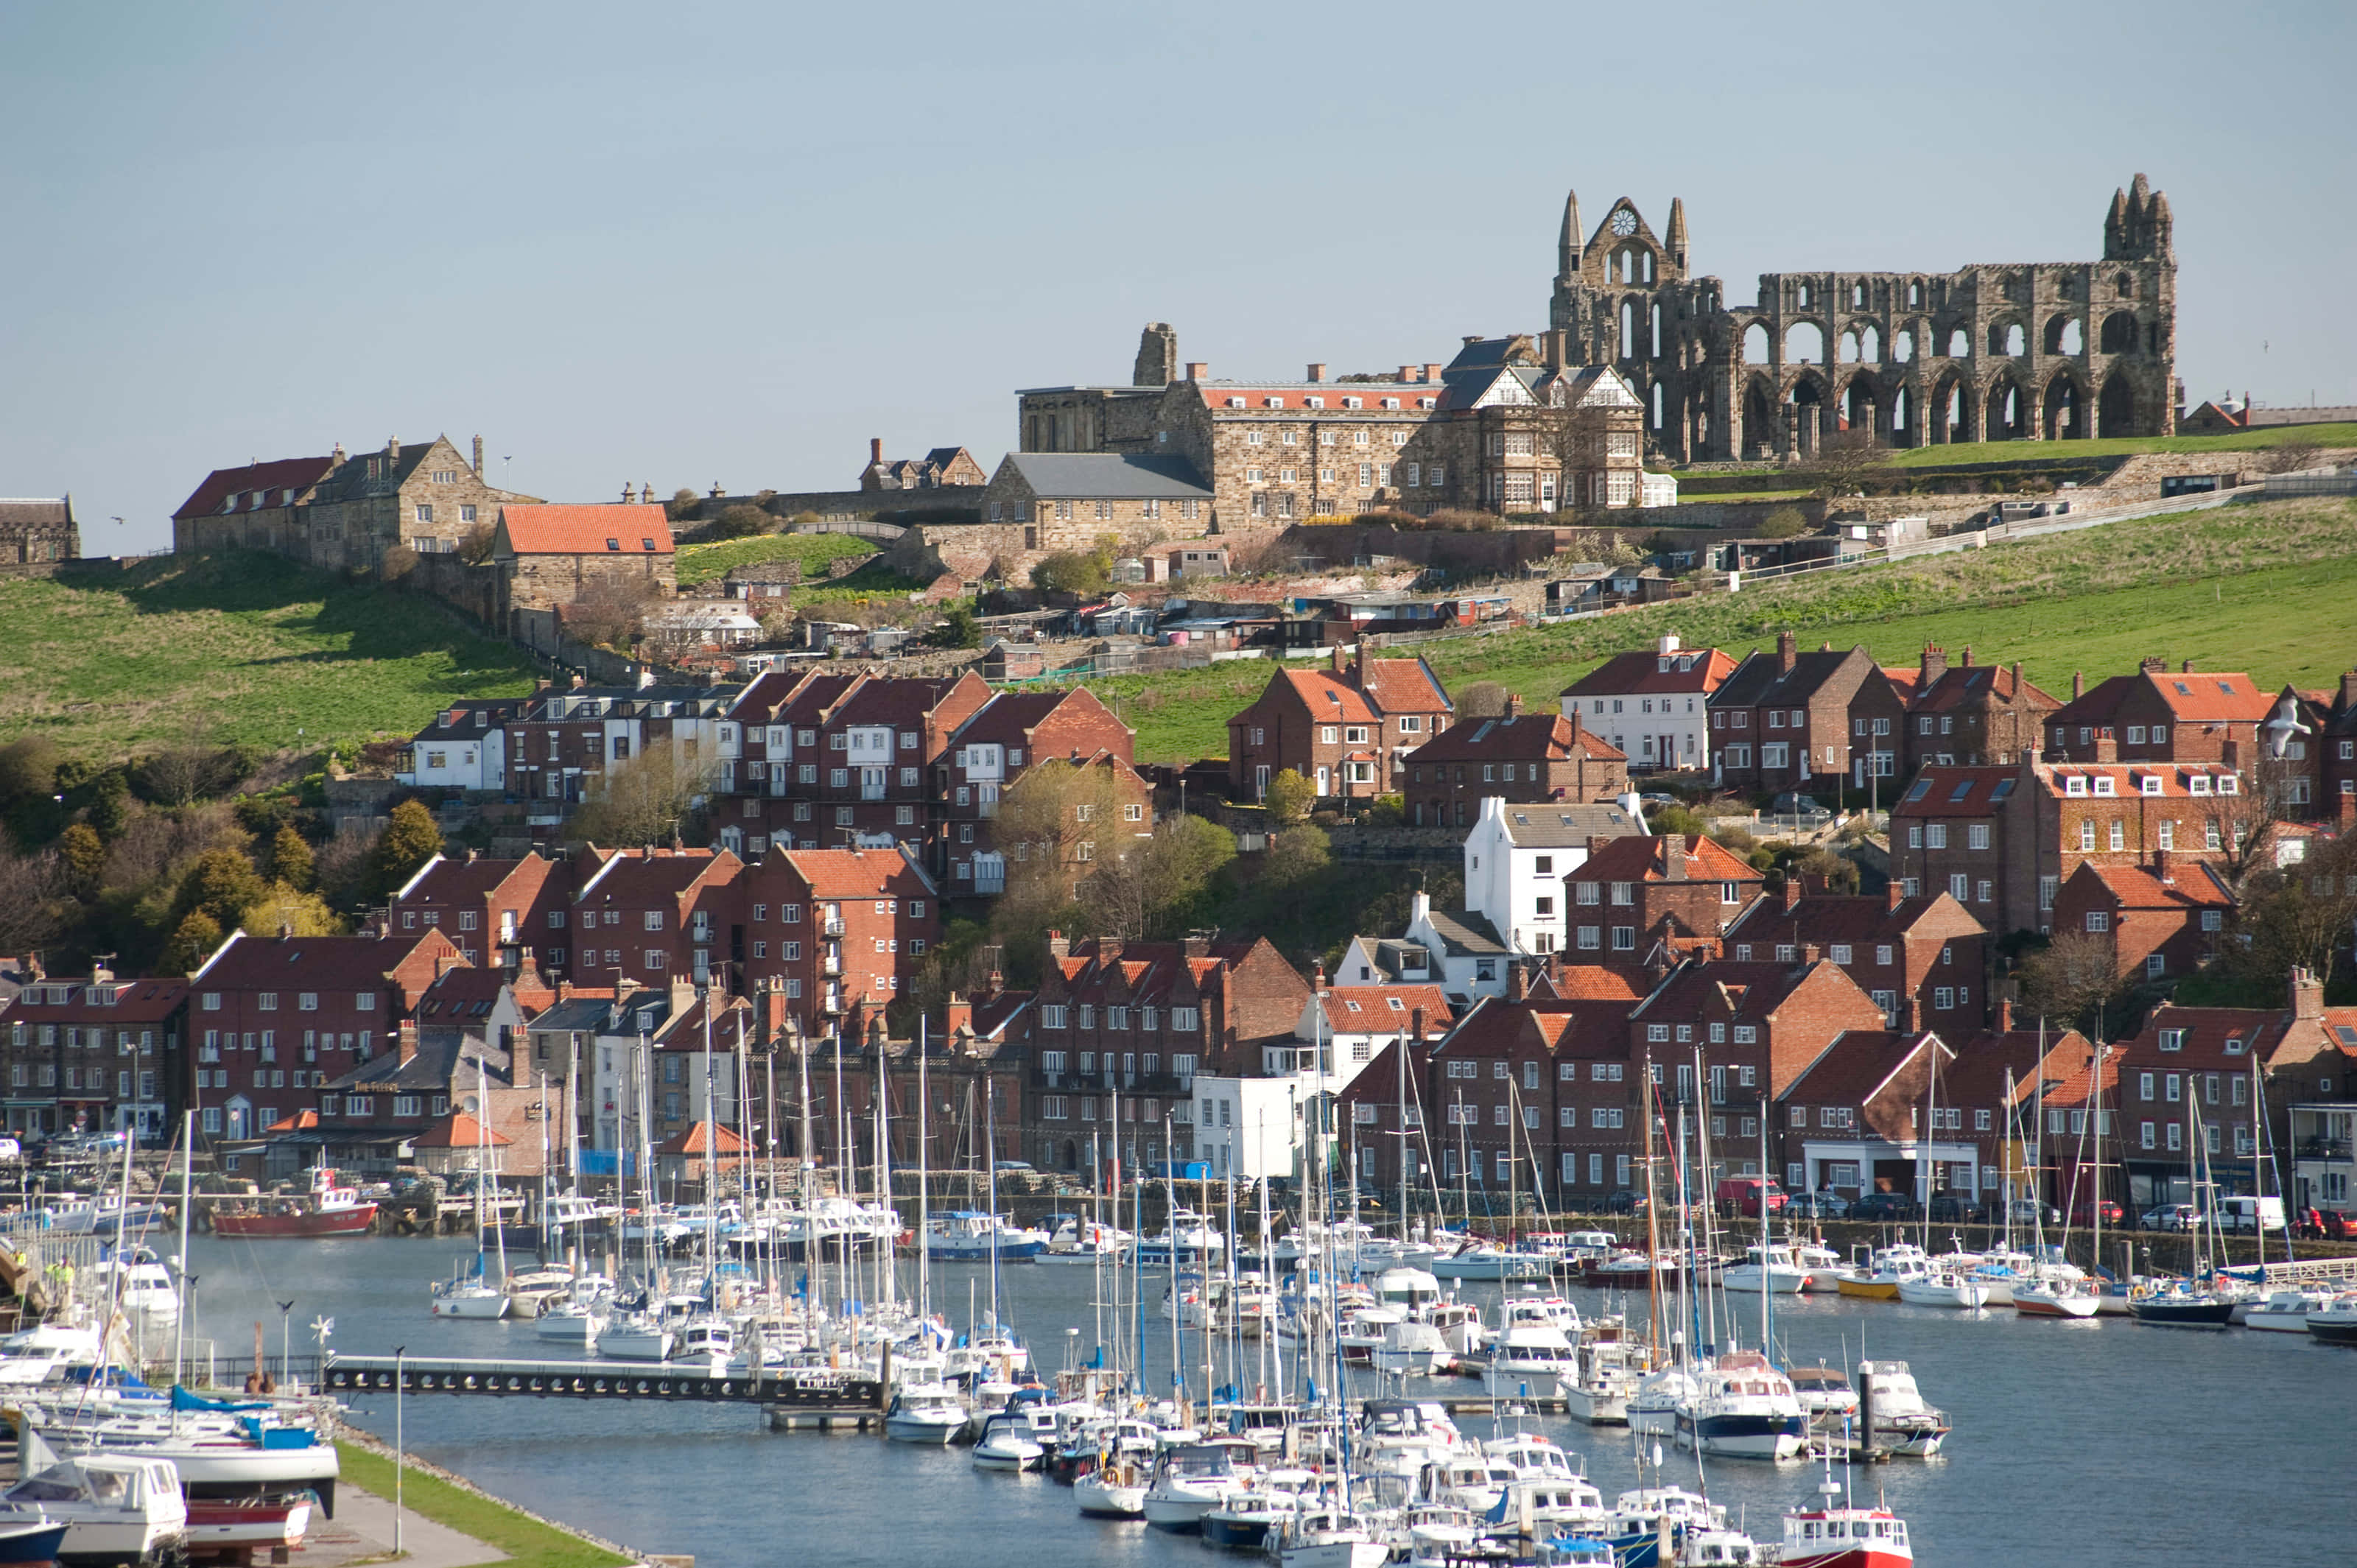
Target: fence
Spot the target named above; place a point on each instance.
(2279, 484)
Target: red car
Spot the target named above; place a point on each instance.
(2084, 1213)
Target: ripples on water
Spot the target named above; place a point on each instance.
(2089, 1443)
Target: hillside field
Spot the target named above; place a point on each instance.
(244, 648)
(2269, 588)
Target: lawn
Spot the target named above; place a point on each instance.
(702, 563)
(2270, 589)
(244, 648)
(528, 1543)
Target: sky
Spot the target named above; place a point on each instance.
(700, 244)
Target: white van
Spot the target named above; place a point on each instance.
(2250, 1213)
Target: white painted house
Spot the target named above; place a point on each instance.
(1652, 705)
(1517, 854)
(463, 748)
(1350, 1024)
(1251, 1128)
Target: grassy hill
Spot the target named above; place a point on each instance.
(2269, 588)
(239, 648)
(703, 563)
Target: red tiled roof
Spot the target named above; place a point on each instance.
(1383, 1009)
(1828, 918)
(601, 529)
(1327, 699)
(722, 1141)
(460, 1131)
(298, 474)
(1404, 686)
(1643, 858)
(2190, 886)
(2207, 1031)
(1960, 683)
(853, 873)
(1588, 983)
(1640, 672)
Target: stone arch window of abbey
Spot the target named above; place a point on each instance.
(2053, 351)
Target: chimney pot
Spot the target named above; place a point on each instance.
(1432, 373)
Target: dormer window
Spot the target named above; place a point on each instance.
(1235, 402)
(2106, 785)
(1391, 402)
(1313, 402)
(613, 544)
(2150, 783)
(2226, 784)
(2198, 784)
(2076, 784)
(1272, 403)
(1427, 403)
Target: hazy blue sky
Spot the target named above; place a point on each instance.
(684, 244)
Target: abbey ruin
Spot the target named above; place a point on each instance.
(2019, 351)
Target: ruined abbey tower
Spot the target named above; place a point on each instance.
(2017, 351)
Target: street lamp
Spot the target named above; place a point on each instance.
(286, 1362)
(399, 1379)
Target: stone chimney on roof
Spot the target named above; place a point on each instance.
(1318, 975)
(957, 1017)
(1968, 656)
(1198, 369)
(1518, 982)
(1810, 953)
(1673, 858)
(1793, 890)
(1934, 665)
(2107, 746)
(392, 448)
(2185, 666)
(406, 1040)
(1514, 704)
(479, 456)
(2306, 996)
(1787, 651)
(1432, 373)
(2078, 684)
(1059, 946)
(874, 451)
(1317, 370)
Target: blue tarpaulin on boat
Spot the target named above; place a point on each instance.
(183, 1400)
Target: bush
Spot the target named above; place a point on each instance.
(1074, 572)
(1785, 522)
(28, 767)
(476, 547)
(1290, 797)
(957, 629)
(740, 522)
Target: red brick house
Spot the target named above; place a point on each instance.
(95, 1051)
(1144, 1018)
(1923, 959)
(2160, 921)
(274, 1019)
(1753, 1026)
(1971, 714)
(495, 910)
(651, 916)
(997, 746)
(1783, 720)
(1631, 894)
(2160, 716)
(1521, 756)
(1346, 729)
(829, 931)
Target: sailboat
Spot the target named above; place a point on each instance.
(2194, 1301)
(474, 1294)
(2053, 1289)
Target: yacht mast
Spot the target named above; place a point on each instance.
(924, 1182)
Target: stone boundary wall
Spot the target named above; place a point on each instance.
(949, 504)
(472, 590)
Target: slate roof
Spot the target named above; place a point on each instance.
(608, 529)
(1640, 672)
(298, 474)
(1762, 681)
(1563, 826)
(35, 511)
(1123, 475)
(1466, 934)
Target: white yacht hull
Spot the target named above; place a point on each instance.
(1776, 1278)
(1598, 1407)
(934, 1431)
(1961, 1294)
(1107, 1499)
(483, 1302)
(630, 1343)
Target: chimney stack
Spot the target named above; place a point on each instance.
(1514, 704)
(874, 450)
(1896, 892)
(1968, 656)
(479, 456)
(1791, 889)
(2005, 1015)
(1673, 858)
(1317, 371)
(1059, 946)
(1810, 953)
(1432, 373)
(1933, 665)
(391, 449)
(2162, 868)
(2307, 995)
(1407, 372)
(406, 1041)
(2185, 667)
(2078, 684)
(1198, 369)
(957, 1017)
(1787, 651)
(1415, 1024)
(1518, 982)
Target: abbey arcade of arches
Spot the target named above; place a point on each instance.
(2028, 350)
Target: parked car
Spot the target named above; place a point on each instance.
(2170, 1217)
(1882, 1206)
(1625, 1201)
(1793, 803)
(1745, 1195)
(1817, 1205)
(2083, 1213)
(2028, 1211)
(1950, 1206)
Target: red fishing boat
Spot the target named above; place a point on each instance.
(329, 1208)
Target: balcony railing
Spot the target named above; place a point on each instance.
(830, 928)
(2324, 1148)
(831, 964)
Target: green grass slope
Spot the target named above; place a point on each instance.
(2269, 588)
(243, 649)
(703, 563)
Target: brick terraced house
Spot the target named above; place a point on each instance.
(1521, 757)
(1347, 729)
(95, 1052)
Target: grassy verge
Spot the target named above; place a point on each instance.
(2264, 588)
(703, 563)
(526, 1541)
(243, 648)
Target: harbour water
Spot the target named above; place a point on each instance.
(2088, 1443)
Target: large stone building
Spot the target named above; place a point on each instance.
(37, 529)
(549, 556)
(1503, 427)
(343, 511)
(2009, 351)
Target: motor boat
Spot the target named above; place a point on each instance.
(1112, 1491)
(530, 1291)
(1469, 1479)
(1744, 1409)
(1642, 1519)
(1251, 1517)
(1411, 1349)
(2286, 1311)
(1825, 1393)
(115, 1509)
(218, 1449)
(1487, 1261)
(144, 1286)
(1534, 1359)
(328, 1209)
(1885, 1270)
(1401, 1437)
(2049, 1296)
(32, 1541)
(1189, 1237)
(641, 1335)
(1836, 1537)
(1191, 1480)
(1605, 1374)
(236, 1527)
(925, 1412)
(1006, 1443)
(2337, 1323)
(1074, 1239)
(1771, 1268)
(576, 1320)
(1903, 1422)
(969, 1237)
(1660, 1394)
(704, 1342)
(1328, 1537)
(1825, 1266)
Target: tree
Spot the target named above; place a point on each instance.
(1481, 700)
(109, 806)
(183, 774)
(644, 801)
(740, 522)
(1296, 854)
(289, 909)
(220, 884)
(1075, 571)
(1783, 523)
(1184, 856)
(610, 612)
(2293, 454)
(399, 562)
(28, 767)
(85, 859)
(1290, 797)
(290, 859)
(1842, 462)
(2070, 978)
(2298, 916)
(475, 548)
(1061, 825)
(194, 939)
(410, 840)
(958, 629)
